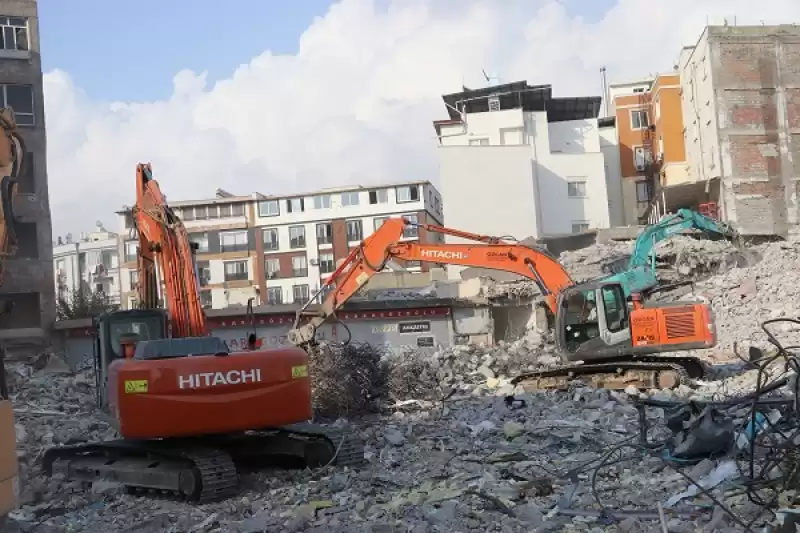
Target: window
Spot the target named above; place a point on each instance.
(236, 271)
(237, 210)
(201, 212)
(380, 196)
(297, 236)
(410, 231)
(494, 103)
(233, 241)
(272, 268)
(213, 211)
(641, 157)
(225, 210)
(300, 294)
(379, 222)
(479, 142)
(295, 205)
(324, 233)
(109, 259)
(269, 208)
(576, 189)
(639, 119)
(270, 237)
(299, 266)
(642, 192)
(409, 193)
(60, 264)
(188, 214)
(131, 250)
(204, 272)
(350, 198)
(580, 227)
(205, 299)
(133, 278)
(615, 308)
(201, 239)
(639, 90)
(20, 99)
(274, 296)
(326, 263)
(354, 231)
(322, 202)
(15, 33)
(129, 222)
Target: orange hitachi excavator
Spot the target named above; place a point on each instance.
(186, 407)
(12, 152)
(596, 333)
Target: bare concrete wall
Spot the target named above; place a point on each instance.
(31, 272)
(756, 73)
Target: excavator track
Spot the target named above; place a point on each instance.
(641, 373)
(202, 469)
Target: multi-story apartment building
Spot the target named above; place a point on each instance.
(651, 146)
(516, 161)
(90, 263)
(28, 276)
(741, 106)
(280, 249)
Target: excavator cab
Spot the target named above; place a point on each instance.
(592, 321)
(115, 333)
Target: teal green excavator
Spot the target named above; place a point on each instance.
(637, 274)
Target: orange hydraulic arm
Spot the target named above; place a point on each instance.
(163, 239)
(386, 243)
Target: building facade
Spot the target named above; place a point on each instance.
(90, 264)
(516, 161)
(652, 153)
(28, 276)
(741, 106)
(281, 249)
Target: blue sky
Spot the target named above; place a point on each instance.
(130, 50)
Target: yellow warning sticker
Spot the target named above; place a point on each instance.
(137, 386)
(300, 371)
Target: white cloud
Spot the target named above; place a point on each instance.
(355, 104)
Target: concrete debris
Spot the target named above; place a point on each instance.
(446, 449)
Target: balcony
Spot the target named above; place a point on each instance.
(299, 272)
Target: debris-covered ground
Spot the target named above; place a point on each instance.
(448, 451)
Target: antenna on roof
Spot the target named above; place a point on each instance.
(491, 78)
(222, 193)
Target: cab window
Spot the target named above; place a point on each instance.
(580, 319)
(615, 308)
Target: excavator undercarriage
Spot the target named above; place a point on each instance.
(654, 372)
(203, 469)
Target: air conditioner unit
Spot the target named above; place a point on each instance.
(314, 261)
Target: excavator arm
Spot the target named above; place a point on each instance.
(166, 257)
(638, 274)
(386, 244)
(12, 152)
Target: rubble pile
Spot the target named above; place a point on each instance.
(467, 463)
(743, 297)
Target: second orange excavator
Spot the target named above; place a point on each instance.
(599, 337)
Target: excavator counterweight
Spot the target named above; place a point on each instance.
(593, 321)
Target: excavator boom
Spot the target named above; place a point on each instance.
(638, 273)
(165, 250)
(387, 243)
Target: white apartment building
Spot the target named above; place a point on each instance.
(514, 161)
(280, 249)
(91, 262)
